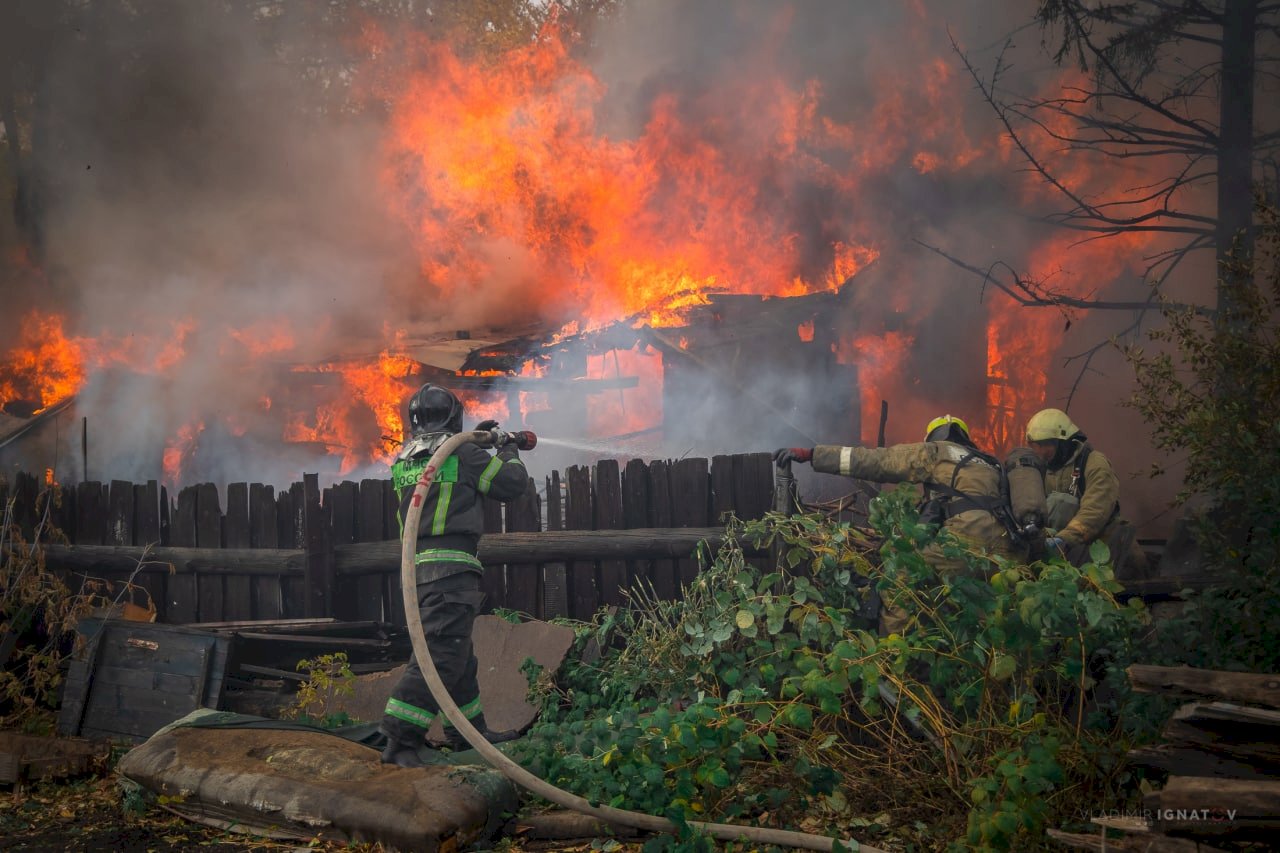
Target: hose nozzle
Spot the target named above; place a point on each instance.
(522, 439)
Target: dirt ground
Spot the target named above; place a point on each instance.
(89, 814)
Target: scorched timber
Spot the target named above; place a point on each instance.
(552, 546)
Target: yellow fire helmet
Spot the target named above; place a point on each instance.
(943, 421)
(1049, 424)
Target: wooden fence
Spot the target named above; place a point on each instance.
(685, 493)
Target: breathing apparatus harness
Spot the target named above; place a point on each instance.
(937, 510)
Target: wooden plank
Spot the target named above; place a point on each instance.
(91, 516)
(690, 504)
(374, 557)
(120, 520)
(1247, 687)
(666, 581)
(235, 534)
(1193, 762)
(553, 577)
(293, 589)
(63, 512)
(210, 588)
(146, 513)
(180, 589)
(317, 542)
(370, 527)
(392, 595)
(722, 486)
(263, 533)
(1233, 731)
(340, 500)
(523, 516)
(26, 490)
(583, 589)
(752, 486)
(493, 583)
(1191, 805)
(164, 514)
(607, 515)
(635, 513)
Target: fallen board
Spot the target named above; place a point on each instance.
(27, 758)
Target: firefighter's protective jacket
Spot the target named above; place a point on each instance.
(1098, 491)
(930, 463)
(452, 516)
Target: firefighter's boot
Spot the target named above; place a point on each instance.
(402, 751)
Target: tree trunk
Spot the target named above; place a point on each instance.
(1235, 152)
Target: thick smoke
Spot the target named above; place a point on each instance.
(211, 191)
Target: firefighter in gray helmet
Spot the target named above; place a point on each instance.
(1083, 495)
(965, 483)
(448, 573)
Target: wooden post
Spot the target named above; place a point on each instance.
(289, 512)
(523, 515)
(146, 513)
(210, 593)
(239, 588)
(583, 586)
(393, 595)
(180, 588)
(635, 513)
(268, 602)
(690, 502)
(371, 527)
(340, 503)
(317, 537)
(666, 579)
(494, 580)
(553, 578)
(607, 515)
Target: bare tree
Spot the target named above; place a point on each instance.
(1174, 83)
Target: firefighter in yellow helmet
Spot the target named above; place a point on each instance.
(1083, 495)
(962, 482)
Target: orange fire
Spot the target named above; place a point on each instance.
(45, 367)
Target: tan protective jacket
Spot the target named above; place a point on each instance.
(1099, 495)
(927, 463)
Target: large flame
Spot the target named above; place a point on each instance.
(521, 200)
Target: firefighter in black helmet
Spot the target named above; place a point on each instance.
(448, 572)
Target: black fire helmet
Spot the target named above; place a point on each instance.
(434, 409)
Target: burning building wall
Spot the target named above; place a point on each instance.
(245, 266)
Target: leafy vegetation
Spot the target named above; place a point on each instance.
(768, 696)
(328, 676)
(1212, 398)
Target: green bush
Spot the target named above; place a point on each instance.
(768, 696)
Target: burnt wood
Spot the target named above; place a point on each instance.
(120, 517)
(553, 578)
(523, 516)
(210, 589)
(666, 580)
(180, 589)
(584, 595)
(1245, 734)
(263, 533)
(1248, 687)
(493, 581)
(91, 517)
(340, 500)
(370, 524)
(1193, 762)
(690, 505)
(292, 589)
(235, 534)
(318, 565)
(146, 509)
(635, 513)
(607, 515)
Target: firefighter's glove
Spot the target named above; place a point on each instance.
(1055, 546)
(485, 426)
(787, 455)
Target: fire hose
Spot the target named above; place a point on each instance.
(489, 752)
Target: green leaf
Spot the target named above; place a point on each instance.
(1003, 666)
(1099, 553)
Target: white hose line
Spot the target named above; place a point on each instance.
(499, 761)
